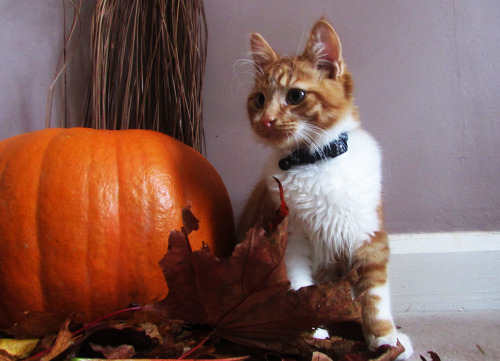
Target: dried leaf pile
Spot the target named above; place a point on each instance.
(235, 308)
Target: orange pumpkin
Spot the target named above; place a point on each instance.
(85, 217)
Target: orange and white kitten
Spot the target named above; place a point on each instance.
(330, 169)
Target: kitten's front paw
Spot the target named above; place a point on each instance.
(392, 340)
(321, 333)
(299, 281)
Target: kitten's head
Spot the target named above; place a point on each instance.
(299, 101)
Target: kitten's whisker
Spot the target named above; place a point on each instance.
(242, 62)
(289, 133)
(254, 63)
(304, 33)
(238, 74)
(312, 136)
(311, 131)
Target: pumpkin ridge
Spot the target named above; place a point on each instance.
(123, 246)
(89, 240)
(37, 227)
(42, 285)
(10, 148)
(103, 259)
(47, 170)
(117, 264)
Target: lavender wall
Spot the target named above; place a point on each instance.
(427, 85)
(31, 42)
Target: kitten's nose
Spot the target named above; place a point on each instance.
(267, 121)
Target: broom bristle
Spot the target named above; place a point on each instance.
(148, 61)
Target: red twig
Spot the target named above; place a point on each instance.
(89, 325)
(194, 349)
(84, 328)
(40, 354)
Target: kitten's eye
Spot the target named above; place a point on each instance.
(260, 100)
(295, 96)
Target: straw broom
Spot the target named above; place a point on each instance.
(148, 62)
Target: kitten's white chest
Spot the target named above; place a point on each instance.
(333, 204)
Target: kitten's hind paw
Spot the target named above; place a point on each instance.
(392, 340)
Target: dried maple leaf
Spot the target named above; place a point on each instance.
(319, 356)
(246, 298)
(387, 352)
(281, 212)
(63, 341)
(190, 222)
(118, 352)
(434, 356)
(337, 347)
(205, 290)
(18, 348)
(37, 325)
(5, 356)
(383, 353)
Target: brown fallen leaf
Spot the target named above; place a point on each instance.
(37, 325)
(337, 347)
(434, 356)
(353, 357)
(151, 330)
(63, 341)
(387, 353)
(383, 353)
(246, 298)
(190, 222)
(319, 356)
(5, 356)
(18, 348)
(118, 352)
(281, 213)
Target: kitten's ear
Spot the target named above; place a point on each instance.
(324, 49)
(262, 52)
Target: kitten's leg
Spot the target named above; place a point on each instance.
(298, 261)
(371, 261)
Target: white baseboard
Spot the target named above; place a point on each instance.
(445, 271)
(444, 242)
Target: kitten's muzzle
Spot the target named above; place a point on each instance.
(270, 133)
(268, 129)
(267, 122)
